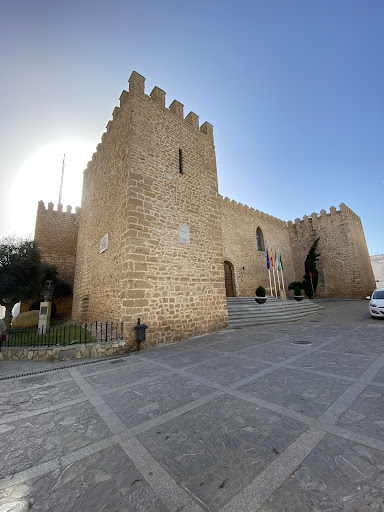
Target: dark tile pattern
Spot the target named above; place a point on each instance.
(335, 363)
(32, 398)
(149, 400)
(338, 476)
(302, 392)
(199, 449)
(216, 450)
(27, 442)
(366, 414)
(104, 481)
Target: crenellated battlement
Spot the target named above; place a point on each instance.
(316, 218)
(248, 210)
(137, 87)
(157, 96)
(41, 208)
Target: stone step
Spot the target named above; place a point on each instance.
(270, 304)
(231, 300)
(245, 311)
(271, 311)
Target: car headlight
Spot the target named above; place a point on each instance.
(373, 305)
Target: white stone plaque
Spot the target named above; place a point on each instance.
(104, 243)
(183, 234)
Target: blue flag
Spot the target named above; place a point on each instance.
(268, 264)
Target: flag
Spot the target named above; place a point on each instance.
(268, 264)
(276, 261)
(281, 262)
(272, 262)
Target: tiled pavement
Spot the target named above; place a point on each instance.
(241, 420)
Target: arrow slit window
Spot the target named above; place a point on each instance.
(259, 240)
(180, 161)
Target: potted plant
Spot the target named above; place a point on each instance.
(260, 295)
(297, 293)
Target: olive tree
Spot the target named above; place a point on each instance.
(21, 272)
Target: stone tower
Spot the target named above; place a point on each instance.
(150, 236)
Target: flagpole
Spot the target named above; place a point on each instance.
(274, 279)
(278, 278)
(282, 275)
(62, 179)
(274, 276)
(277, 269)
(269, 273)
(270, 282)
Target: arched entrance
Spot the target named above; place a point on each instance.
(228, 274)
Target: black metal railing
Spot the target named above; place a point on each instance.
(69, 334)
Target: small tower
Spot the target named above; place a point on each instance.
(151, 192)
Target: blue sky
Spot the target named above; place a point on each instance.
(294, 90)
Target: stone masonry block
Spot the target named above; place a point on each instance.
(136, 83)
(193, 120)
(177, 108)
(158, 95)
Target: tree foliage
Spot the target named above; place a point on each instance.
(20, 272)
(23, 274)
(310, 265)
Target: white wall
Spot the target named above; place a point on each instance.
(378, 269)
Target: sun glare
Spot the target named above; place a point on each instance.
(39, 178)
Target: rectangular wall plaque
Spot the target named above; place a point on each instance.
(183, 234)
(104, 243)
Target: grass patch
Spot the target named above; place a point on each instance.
(56, 335)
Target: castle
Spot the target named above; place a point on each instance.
(154, 239)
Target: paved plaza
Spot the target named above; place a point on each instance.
(277, 418)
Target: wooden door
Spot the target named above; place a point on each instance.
(228, 279)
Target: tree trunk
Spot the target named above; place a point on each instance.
(8, 311)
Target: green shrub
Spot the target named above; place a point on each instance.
(297, 290)
(260, 291)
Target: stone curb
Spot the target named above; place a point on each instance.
(64, 353)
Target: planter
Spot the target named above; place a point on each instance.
(298, 297)
(261, 300)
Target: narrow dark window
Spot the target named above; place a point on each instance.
(180, 161)
(259, 239)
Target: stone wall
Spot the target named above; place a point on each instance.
(152, 188)
(58, 353)
(56, 234)
(239, 225)
(377, 262)
(344, 265)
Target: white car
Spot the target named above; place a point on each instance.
(376, 303)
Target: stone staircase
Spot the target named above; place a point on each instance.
(245, 311)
